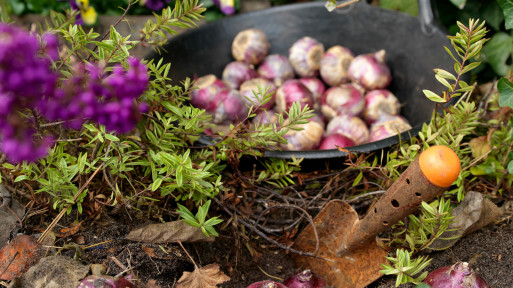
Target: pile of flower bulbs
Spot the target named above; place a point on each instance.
(348, 93)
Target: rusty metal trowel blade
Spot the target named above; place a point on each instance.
(353, 269)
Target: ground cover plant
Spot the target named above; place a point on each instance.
(89, 130)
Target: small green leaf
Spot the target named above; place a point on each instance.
(21, 178)
(112, 137)
(358, 178)
(9, 166)
(156, 184)
(506, 93)
(433, 97)
(445, 74)
(510, 167)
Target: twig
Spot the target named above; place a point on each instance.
(10, 262)
(342, 5)
(63, 211)
(180, 243)
(252, 228)
(270, 276)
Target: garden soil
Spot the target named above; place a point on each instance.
(489, 251)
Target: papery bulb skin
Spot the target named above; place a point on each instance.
(350, 126)
(236, 72)
(335, 141)
(335, 64)
(307, 139)
(250, 46)
(380, 102)
(105, 281)
(459, 275)
(388, 126)
(344, 99)
(370, 71)
(305, 56)
(276, 68)
(266, 284)
(250, 87)
(304, 279)
(228, 106)
(317, 87)
(208, 87)
(292, 91)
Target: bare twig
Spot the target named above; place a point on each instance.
(274, 242)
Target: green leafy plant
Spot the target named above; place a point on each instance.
(161, 159)
(406, 268)
(199, 220)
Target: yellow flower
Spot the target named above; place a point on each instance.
(89, 15)
(87, 12)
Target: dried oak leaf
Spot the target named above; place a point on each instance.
(18, 256)
(175, 231)
(205, 277)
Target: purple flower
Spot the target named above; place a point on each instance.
(19, 149)
(91, 95)
(25, 78)
(227, 7)
(155, 5)
(27, 82)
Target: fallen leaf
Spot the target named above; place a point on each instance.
(65, 232)
(479, 146)
(175, 231)
(18, 256)
(473, 213)
(205, 277)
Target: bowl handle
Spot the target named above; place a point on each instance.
(426, 17)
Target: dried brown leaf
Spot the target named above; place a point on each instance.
(18, 256)
(205, 277)
(168, 232)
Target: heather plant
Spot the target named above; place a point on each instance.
(78, 106)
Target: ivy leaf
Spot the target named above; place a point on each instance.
(459, 3)
(493, 15)
(498, 51)
(506, 93)
(507, 8)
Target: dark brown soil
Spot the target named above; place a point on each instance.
(489, 251)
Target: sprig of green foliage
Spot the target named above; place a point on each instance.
(417, 234)
(184, 15)
(406, 268)
(199, 220)
(467, 44)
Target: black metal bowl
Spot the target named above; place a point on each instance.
(414, 46)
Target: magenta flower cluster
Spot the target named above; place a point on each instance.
(28, 83)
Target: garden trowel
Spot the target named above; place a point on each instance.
(349, 255)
